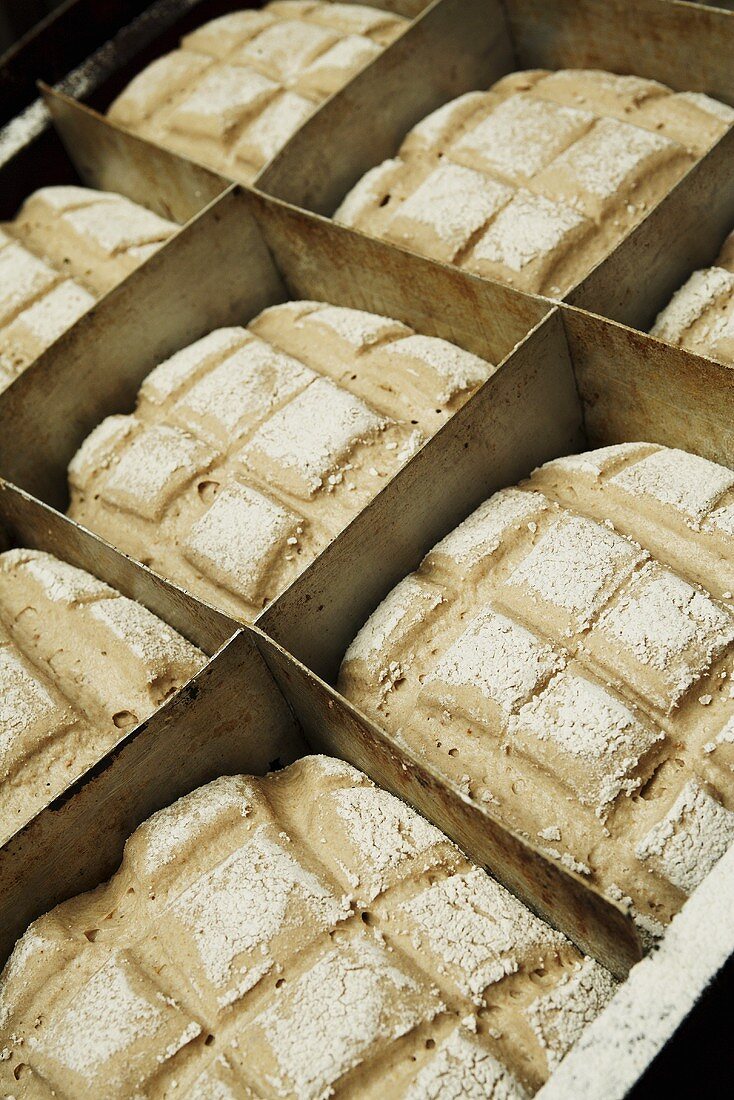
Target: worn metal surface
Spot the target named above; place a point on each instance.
(319, 259)
(683, 232)
(84, 149)
(455, 46)
(332, 725)
(686, 46)
(635, 387)
(111, 159)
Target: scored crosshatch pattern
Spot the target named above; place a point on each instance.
(290, 936)
(239, 86)
(534, 181)
(67, 246)
(700, 316)
(252, 448)
(565, 656)
(80, 664)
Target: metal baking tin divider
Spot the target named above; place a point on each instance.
(219, 271)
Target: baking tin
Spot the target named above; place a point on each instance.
(573, 380)
(460, 45)
(156, 31)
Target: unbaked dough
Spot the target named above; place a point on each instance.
(700, 316)
(79, 666)
(534, 181)
(286, 937)
(238, 87)
(252, 448)
(66, 248)
(565, 657)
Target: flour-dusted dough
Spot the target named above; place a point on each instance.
(286, 937)
(253, 447)
(67, 247)
(79, 665)
(240, 86)
(700, 316)
(565, 656)
(534, 181)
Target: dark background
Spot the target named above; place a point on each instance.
(18, 16)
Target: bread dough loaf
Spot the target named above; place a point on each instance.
(241, 85)
(66, 248)
(536, 180)
(565, 657)
(250, 449)
(286, 937)
(700, 316)
(79, 666)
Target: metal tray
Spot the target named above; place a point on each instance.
(245, 252)
(572, 380)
